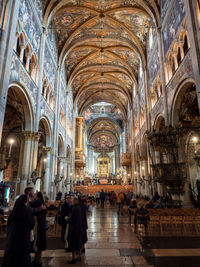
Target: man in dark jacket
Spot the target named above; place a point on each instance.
(75, 231)
(84, 223)
(141, 217)
(102, 198)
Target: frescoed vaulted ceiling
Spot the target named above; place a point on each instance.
(102, 44)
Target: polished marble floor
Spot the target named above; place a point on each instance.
(112, 242)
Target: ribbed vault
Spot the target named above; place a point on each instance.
(102, 44)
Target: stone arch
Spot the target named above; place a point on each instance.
(23, 95)
(158, 123)
(68, 152)
(60, 146)
(178, 97)
(48, 132)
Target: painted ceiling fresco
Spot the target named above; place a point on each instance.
(98, 38)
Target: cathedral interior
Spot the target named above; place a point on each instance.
(103, 93)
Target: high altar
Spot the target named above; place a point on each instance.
(103, 167)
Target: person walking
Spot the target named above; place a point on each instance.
(120, 199)
(102, 198)
(41, 242)
(75, 231)
(20, 224)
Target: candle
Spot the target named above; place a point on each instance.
(11, 141)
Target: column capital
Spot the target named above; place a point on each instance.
(28, 134)
(47, 149)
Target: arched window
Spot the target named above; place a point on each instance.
(18, 48)
(185, 45)
(179, 56)
(51, 100)
(173, 66)
(32, 66)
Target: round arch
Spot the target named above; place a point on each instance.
(178, 96)
(159, 120)
(45, 121)
(27, 105)
(60, 146)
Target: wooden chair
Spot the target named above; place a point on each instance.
(188, 224)
(154, 222)
(177, 223)
(165, 223)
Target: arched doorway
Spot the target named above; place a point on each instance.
(16, 141)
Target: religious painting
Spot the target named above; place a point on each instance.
(29, 24)
(154, 65)
(103, 141)
(49, 67)
(88, 114)
(165, 6)
(172, 26)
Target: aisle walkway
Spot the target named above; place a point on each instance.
(112, 243)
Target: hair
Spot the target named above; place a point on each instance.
(40, 196)
(27, 190)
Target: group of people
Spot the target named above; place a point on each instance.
(28, 214)
(27, 225)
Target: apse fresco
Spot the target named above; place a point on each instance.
(49, 67)
(154, 65)
(109, 111)
(103, 141)
(173, 24)
(165, 6)
(29, 24)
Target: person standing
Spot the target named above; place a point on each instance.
(65, 213)
(75, 231)
(41, 242)
(102, 198)
(120, 199)
(20, 224)
(84, 223)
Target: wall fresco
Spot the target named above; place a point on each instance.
(172, 26)
(29, 24)
(49, 67)
(154, 65)
(164, 8)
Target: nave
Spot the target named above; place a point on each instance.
(112, 242)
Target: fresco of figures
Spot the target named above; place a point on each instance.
(172, 26)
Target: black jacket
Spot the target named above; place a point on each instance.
(75, 229)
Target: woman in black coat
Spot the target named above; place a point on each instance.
(66, 211)
(20, 224)
(75, 231)
(84, 223)
(41, 242)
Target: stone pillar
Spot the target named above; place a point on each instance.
(25, 168)
(53, 163)
(117, 158)
(40, 75)
(162, 71)
(7, 36)
(192, 21)
(47, 155)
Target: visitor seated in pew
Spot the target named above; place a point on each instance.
(141, 217)
(160, 205)
(150, 205)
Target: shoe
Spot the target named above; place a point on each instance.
(72, 262)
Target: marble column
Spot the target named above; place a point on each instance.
(47, 155)
(8, 37)
(117, 158)
(25, 168)
(162, 71)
